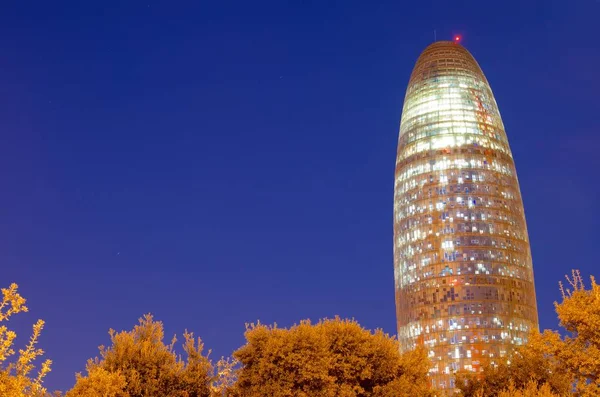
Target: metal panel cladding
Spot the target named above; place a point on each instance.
(462, 262)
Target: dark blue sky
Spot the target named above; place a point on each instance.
(220, 162)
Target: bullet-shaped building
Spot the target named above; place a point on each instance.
(462, 261)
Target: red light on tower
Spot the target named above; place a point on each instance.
(457, 39)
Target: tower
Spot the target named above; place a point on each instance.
(462, 261)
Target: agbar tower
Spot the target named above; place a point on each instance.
(462, 261)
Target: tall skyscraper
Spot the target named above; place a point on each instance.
(462, 262)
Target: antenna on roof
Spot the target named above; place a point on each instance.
(434, 35)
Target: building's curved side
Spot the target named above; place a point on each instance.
(463, 270)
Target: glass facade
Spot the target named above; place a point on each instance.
(462, 262)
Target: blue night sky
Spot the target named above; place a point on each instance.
(221, 162)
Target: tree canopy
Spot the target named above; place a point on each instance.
(556, 365)
(528, 367)
(333, 358)
(578, 352)
(139, 364)
(16, 378)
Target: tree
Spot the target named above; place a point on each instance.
(333, 358)
(560, 365)
(139, 364)
(15, 374)
(225, 377)
(579, 351)
(528, 363)
(531, 389)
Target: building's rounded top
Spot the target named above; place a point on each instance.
(445, 58)
(448, 87)
(444, 43)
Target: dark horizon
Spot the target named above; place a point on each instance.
(221, 163)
